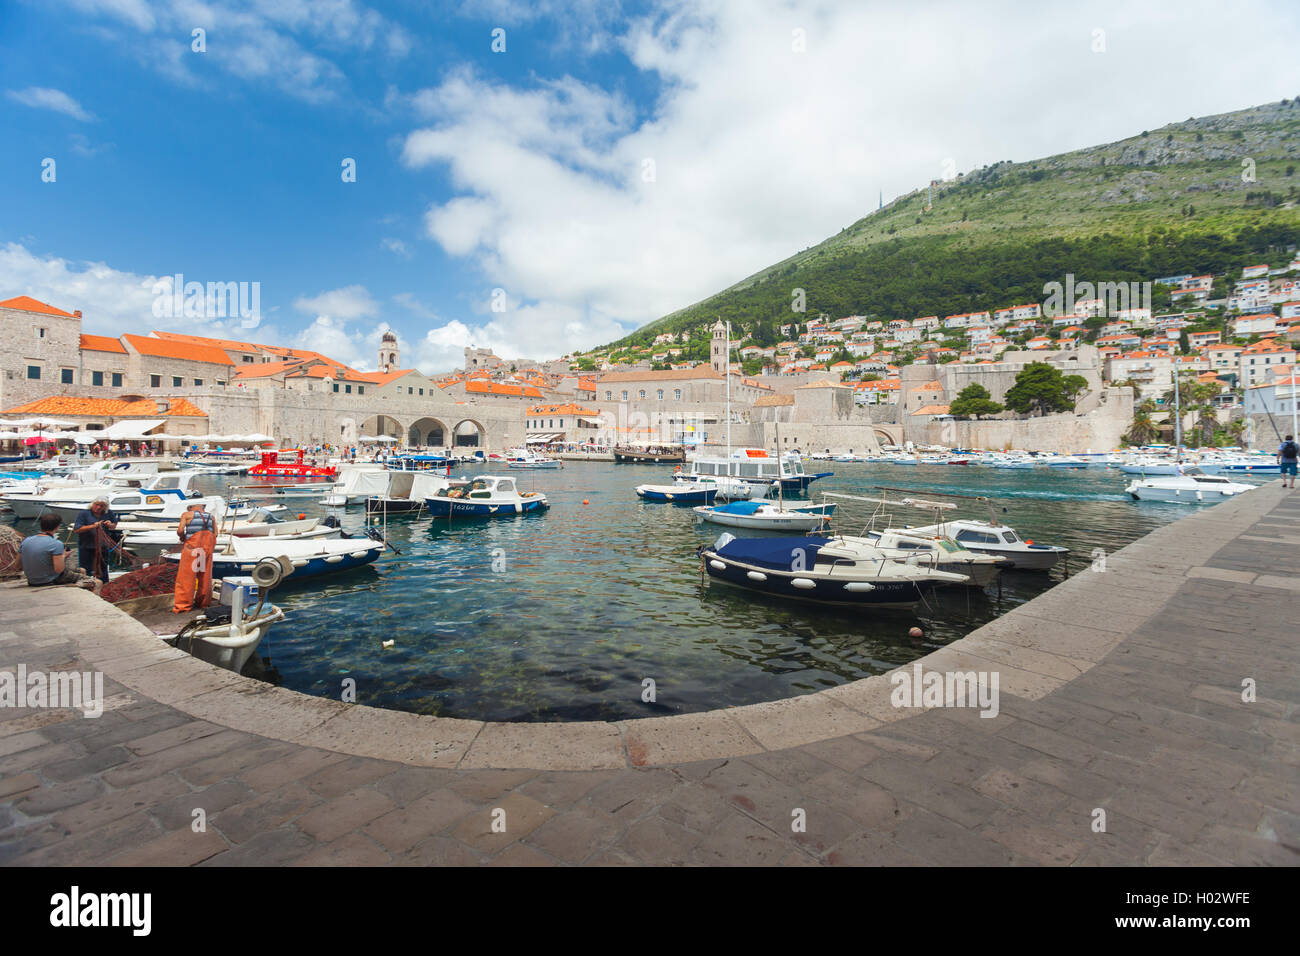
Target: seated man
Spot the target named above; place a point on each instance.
(44, 559)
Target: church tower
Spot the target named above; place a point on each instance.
(388, 352)
(718, 348)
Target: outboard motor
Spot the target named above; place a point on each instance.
(332, 521)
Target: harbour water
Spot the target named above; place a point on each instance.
(565, 615)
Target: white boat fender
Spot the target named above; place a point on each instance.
(859, 586)
(756, 575)
(387, 644)
(717, 566)
(804, 584)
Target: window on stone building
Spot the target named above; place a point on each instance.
(220, 382)
(609, 396)
(361, 390)
(347, 389)
(641, 394)
(661, 395)
(247, 358)
(65, 376)
(97, 378)
(33, 371)
(625, 395)
(176, 381)
(421, 391)
(117, 379)
(197, 382)
(677, 394)
(155, 381)
(336, 386)
(42, 331)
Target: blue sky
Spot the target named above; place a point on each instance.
(615, 162)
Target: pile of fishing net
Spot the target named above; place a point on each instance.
(11, 565)
(147, 582)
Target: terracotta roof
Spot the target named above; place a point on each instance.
(25, 303)
(112, 407)
(167, 348)
(231, 344)
(932, 410)
(886, 383)
(339, 372)
(492, 388)
(770, 401)
(101, 343)
(931, 386)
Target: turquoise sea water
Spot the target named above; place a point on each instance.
(564, 615)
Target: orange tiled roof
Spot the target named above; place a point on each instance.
(263, 369)
(25, 303)
(111, 407)
(932, 410)
(168, 348)
(101, 343)
(230, 344)
(491, 388)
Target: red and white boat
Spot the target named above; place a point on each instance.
(288, 463)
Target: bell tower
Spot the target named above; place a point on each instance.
(718, 347)
(388, 352)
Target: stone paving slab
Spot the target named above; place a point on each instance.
(1120, 693)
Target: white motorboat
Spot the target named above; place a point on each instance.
(768, 516)
(527, 459)
(487, 496)
(149, 494)
(1193, 487)
(936, 551)
(726, 488)
(984, 537)
(407, 490)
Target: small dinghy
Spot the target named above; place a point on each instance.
(680, 492)
(766, 515)
(487, 496)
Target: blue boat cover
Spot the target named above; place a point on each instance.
(779, 554)
(739, 508)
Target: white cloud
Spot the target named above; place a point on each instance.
(758, 150)
(44, 98)
(265, 42)
(345, 304)
(396, 246)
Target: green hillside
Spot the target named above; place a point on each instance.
(1164, 201)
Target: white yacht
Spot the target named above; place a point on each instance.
(1192, 487)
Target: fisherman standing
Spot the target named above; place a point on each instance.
(97, 538)
(194, 572)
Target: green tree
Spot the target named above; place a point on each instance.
(973, 402)
(1040, 388)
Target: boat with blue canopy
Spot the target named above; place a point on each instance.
(821, 570)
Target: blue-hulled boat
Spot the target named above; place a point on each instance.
(680, 492)
(767, 515)
(487, 496)
(309, 556)
(821, 570)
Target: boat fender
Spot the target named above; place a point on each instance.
(717, 566)
(804, 584)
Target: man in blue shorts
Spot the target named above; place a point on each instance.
(1287, 456)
